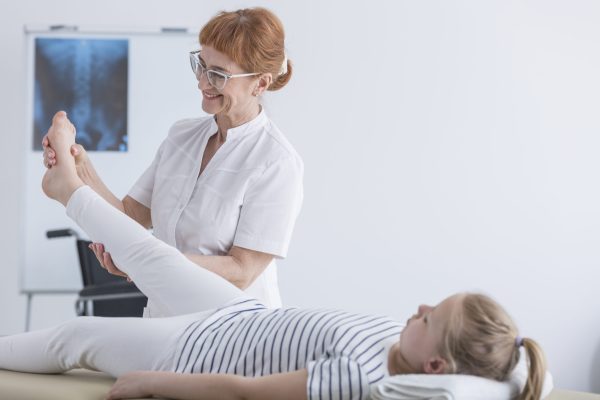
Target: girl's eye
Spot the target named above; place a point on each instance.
(425, 319)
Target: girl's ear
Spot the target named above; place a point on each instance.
(435, 365)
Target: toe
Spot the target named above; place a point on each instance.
(59, 117)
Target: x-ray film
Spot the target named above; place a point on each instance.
(88, 79)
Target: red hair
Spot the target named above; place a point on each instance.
(253, 38)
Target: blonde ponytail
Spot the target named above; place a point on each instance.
(536, 363)
(483, 340)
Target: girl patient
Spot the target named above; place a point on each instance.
(230, 346)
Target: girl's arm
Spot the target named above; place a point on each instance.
(289, 386)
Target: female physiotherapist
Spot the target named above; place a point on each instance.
(224, 189)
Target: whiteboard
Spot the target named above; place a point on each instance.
(161, 89)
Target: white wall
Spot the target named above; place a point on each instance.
(120, 169)
(449, 145)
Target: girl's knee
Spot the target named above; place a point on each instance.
(68, 342)
(72, 331)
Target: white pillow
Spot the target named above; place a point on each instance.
(455, 387)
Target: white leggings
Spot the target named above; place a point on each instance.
(175, 284)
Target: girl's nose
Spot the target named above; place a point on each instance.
(423, 308)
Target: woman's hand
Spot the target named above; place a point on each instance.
(77, 151)
(133, 385)
(106, 260)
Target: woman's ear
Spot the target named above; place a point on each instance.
(435, 365)
(264, 81)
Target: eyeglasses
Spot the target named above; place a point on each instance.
(217, 79)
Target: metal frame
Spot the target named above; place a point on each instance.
(84, 305)
(32, 292)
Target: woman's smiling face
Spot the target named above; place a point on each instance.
(237, 95)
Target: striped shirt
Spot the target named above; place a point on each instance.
(344, 353)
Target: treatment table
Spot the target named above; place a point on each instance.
(88, 385)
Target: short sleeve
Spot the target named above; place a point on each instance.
(141, 191)
(336, 378)
(270, 207)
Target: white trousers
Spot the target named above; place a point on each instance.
(172, 282)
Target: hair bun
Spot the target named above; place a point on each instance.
(282, 79)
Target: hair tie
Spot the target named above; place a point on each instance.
(519, 341)
(283, 69)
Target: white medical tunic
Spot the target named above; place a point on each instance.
(248, 195)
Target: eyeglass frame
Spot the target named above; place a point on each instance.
(196, 65)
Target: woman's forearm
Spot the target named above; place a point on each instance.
(135, 210)
(240, 267)
(228, 268)
(87, 173)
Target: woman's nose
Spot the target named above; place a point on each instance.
(202, 78)
(203, 84)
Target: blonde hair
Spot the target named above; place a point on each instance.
(481, 339)
(254, 39)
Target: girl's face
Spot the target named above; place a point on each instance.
(420, 339)
(237, 97)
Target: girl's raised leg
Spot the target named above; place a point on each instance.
(170, 280)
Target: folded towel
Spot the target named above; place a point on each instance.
(455, 387)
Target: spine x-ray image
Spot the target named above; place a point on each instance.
(88, 79)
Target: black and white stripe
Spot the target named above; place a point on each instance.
(344, 353)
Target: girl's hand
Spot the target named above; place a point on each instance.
(133, 385)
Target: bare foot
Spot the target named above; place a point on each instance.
(61, 180)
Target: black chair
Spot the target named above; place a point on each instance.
(103, 294)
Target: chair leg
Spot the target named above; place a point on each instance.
(80, 307)
(28, 312)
